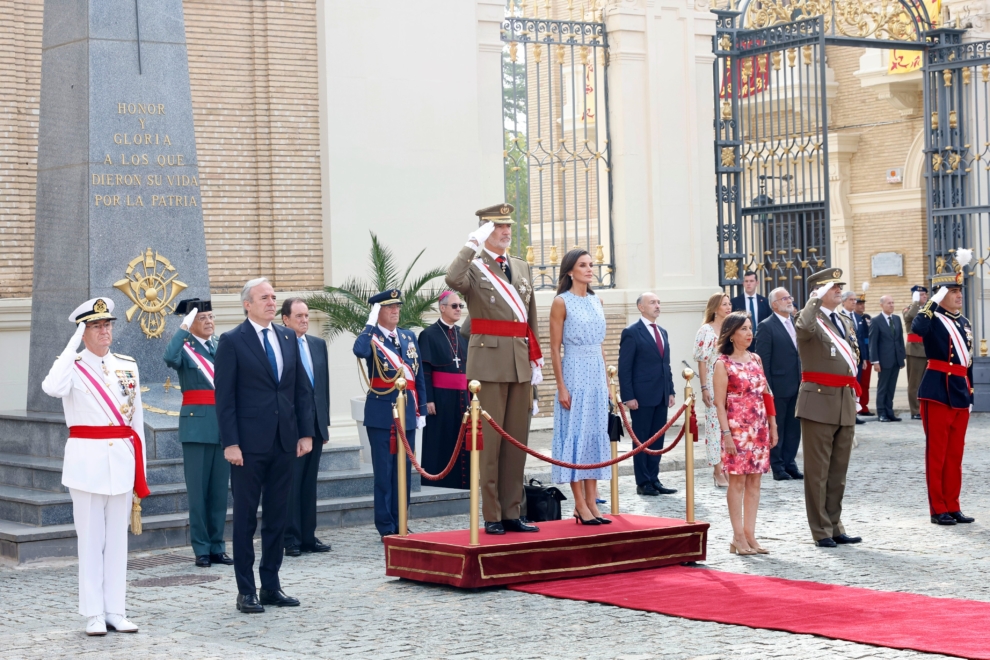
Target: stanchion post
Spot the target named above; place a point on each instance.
(475, 484)
(400, 404)
(688, 374)
(614, 442)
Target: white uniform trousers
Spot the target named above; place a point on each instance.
(101, 528)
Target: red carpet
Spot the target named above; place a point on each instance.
(560, 549)
(881, 618)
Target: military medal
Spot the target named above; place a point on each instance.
(833, 351)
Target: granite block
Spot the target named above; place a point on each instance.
(167, 445)
(170, 473)
(11, 511)
(345, 487)
(63, 121)
(48, 480)
(52, 514)
(160, 20)
(64, 21)
(11, 475)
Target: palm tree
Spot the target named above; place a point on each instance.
(347, 308)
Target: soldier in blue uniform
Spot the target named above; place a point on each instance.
(945, 394)
(390, 352)
(190, 352)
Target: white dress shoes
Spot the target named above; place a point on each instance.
(120, 624)
(96, 626)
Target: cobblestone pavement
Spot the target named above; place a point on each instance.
(350, 609)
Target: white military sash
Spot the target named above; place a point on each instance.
(508, 294)
(957, 340)
(397, 364)
(201, 362)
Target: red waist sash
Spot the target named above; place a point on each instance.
(915, 339)
(949, 368)
(382, 384)
(508, 329)
(199, 398)
(448, 381)
(831, 380)
(112, 433)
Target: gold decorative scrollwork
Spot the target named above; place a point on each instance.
(151, 286)
(731, 267)
(879, 19)
(728, 157)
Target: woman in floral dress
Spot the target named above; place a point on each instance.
(747, 420)
(706, 353)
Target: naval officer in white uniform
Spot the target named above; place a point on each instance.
(104, 459)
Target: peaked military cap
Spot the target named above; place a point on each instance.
(97, 309)
(949, 280)
(827, 276)
(385, 298)
(500, 214)
(187, 305)
(917, 288)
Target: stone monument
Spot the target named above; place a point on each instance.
(119, 211)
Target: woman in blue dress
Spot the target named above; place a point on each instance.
(580, 411)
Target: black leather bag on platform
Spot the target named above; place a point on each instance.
(615, 430)
(542, 502)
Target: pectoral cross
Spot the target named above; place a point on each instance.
(457, 362)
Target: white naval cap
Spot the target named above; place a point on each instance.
(96, 309)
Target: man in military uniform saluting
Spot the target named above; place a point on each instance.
(826, 405)
(916, 360)
(504, 354)
(104, 459)
(390, 352)
(945, 394)
(191, 353)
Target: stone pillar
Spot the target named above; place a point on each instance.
(490, 129)
(117, 177)
(841, 147)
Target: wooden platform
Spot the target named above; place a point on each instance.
(561, 549)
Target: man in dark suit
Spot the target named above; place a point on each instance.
(300, 531)
(752, 302)
(865, 368)
(887, 356)
(776, 344)
(860, 327)
(647, 388)
(265, 413)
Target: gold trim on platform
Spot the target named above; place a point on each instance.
(389, 565)
(481, 566)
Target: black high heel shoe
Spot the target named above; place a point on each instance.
(581, 521)
(603, 521)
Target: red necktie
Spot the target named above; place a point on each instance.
(656, 335)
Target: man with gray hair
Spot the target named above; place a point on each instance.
(887, 356)
(776, 344)
(265, 410)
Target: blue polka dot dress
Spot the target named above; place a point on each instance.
(580, 435)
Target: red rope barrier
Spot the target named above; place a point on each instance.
(593, 466)
(401, 434)
(637, 443)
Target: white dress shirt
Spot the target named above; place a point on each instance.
(273, 340)
(789, 326)
(103, 467)
(649, 328)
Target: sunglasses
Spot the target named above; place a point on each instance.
(457, 305)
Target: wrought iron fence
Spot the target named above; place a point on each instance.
(555, 121)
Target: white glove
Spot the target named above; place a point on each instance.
(822, 290)
(937, 298)
(189, 318)
(537, 376)
(420, 422)
(916, 296)
(481, 234)
(373, 317)
(536, 407)
(73, 345)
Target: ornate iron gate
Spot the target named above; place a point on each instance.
(771, 128)
(555, 116)
(957, 154)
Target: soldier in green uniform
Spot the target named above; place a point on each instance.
(917, 362)
(190, 353)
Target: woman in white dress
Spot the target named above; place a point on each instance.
(706, 353)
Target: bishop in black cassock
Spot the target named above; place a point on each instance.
(444, 356)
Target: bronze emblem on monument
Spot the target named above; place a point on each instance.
(151, 285)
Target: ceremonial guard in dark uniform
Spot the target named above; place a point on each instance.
(390, 352)
(826, 405)
(191, 352)
(945, 394)
(916, 359)
(447, 396)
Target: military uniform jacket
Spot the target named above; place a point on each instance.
(818, 403)
(378, 407)
(491, 358)
(104, 467)
(196, 423)
(947, 389)
(913, 348)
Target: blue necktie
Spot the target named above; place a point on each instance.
(752, 308)
(271, 353)
(305, 360)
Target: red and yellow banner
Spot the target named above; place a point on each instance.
(750, 75)
(907, 61)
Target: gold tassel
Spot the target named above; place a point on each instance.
(136, 528)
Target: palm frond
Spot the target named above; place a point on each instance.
(405, 275)
(424, 279)
(383, 267)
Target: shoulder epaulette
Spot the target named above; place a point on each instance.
(78, 358)
(125, 357)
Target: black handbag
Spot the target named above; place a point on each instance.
(542, 502)
(615, 430)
